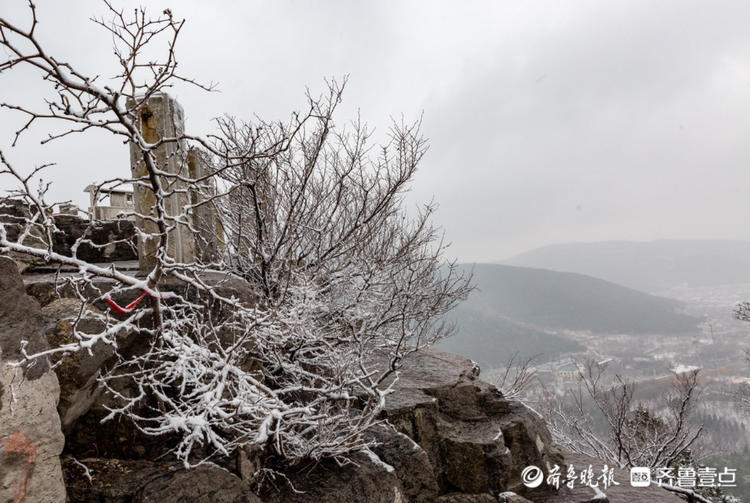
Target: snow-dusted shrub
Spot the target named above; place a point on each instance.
(343, 285)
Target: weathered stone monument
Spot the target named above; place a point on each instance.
(162, 117)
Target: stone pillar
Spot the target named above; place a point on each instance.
(205, 219)
(161, 116)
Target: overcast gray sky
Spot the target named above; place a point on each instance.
(548, 121)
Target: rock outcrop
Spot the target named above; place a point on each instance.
(446, 436)
(477, 441)
(453, 439)
(31, 440)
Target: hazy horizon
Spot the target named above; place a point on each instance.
(611, 241)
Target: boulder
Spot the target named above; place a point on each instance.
(20, 320)
(476, 441)
(83, 403)
(30, 436)
(205, 484)
(411, 464)
(362, 481)
(45, 287)
(78, 373)
(138, 481)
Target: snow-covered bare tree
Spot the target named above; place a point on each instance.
(601, 418)
(341, 284)
(742, 313)
(744, 394)
(517, 377)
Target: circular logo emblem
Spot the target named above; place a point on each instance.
(532, 476)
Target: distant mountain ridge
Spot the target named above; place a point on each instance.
(514, 309)
(563, 300)
(490, 339)
(650, 266)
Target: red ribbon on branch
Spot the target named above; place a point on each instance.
(127, 309)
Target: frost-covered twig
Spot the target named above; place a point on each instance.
(86, 470)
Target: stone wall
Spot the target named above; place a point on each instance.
(107, 241)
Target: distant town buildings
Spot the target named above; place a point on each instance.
(561, 371)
